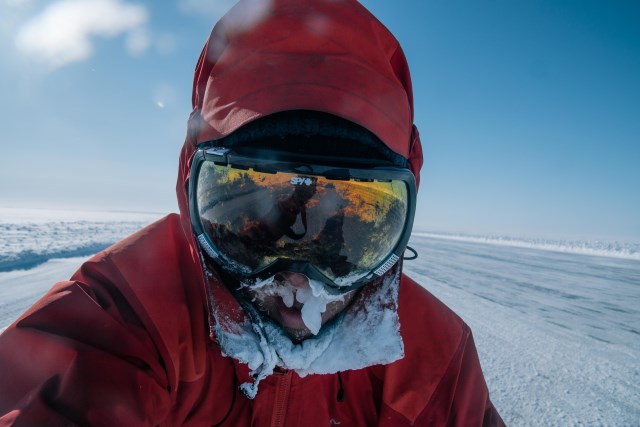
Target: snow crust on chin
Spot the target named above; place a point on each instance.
(366, 333)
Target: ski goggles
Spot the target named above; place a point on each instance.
(258, 214)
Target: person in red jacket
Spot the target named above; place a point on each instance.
(276, 297)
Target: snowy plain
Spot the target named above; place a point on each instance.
(29, 237)
(557, 324)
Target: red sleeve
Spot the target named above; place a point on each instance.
(80, 356)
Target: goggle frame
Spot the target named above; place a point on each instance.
(272, 161)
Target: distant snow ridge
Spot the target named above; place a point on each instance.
(596, 248)
(31, 237)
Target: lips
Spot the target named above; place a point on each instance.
(307, 311)
(290, 317)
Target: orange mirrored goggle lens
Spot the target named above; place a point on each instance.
(343, 227)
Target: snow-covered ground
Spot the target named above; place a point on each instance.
(29, 237)
(558, 331)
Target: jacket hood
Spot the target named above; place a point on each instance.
(332, 56)
(270, 56)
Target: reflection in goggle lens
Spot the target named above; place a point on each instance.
(343, 227)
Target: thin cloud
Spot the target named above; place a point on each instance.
(209, 9)
(165, 43)
(16, 3)
(138, 42)
(250, 13)
(63, 33)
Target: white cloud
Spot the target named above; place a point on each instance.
(63, 33)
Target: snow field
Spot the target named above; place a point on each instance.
(29, 237)
(555, 332)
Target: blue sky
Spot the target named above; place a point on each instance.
(529, 111)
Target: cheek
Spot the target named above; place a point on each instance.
(331, 311)
(336, 307)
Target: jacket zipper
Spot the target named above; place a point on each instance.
(283, 386)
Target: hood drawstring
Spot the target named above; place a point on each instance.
(415, 254)
(340, 396)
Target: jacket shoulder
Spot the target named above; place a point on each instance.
(153, 258)
(91, 334)
(418, 305)
(160, 237)
(434, 338)
(157, 272)
(431, 331)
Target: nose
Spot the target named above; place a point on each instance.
(297, 280)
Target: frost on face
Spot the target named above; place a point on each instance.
(272, 287)
(312, 309)
(314, 298)
(367, 333)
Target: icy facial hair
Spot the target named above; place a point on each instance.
(367, 333)
(314, 298)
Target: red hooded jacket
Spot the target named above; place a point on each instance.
(127, 341)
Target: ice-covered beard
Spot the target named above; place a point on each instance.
(311, 299)
(366, 332)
